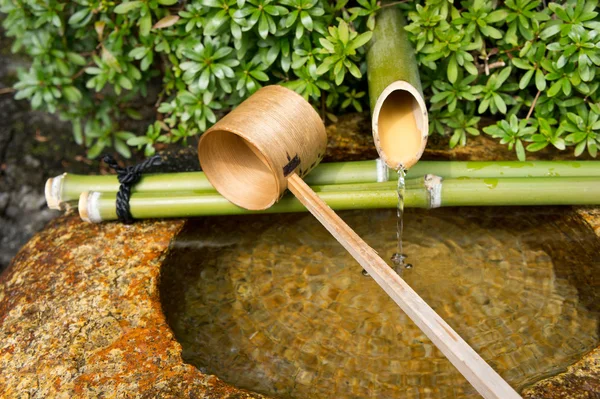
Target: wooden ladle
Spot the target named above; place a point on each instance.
(267, 144)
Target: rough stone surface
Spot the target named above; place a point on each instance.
(80, 316)
(582, 379)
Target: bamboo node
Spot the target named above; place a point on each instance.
(433, 184)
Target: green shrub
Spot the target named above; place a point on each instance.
(531, 67)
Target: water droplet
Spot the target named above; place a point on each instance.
(398, 259)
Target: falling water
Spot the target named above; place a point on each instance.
(398, 257)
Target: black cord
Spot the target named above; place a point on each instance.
(128, 177)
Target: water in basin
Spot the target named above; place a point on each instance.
(275, 305)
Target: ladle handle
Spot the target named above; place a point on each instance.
(483, 378)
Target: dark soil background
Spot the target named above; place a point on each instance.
(33, 147)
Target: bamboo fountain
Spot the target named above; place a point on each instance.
(275, 138)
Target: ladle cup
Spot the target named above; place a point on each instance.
(267, 144)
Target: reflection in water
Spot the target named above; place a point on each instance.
(275, 305)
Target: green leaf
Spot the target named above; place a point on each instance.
(149, 150)
(110, 60)
(145, 24)
(204, 79)
(327, 45)
(76, 58)
(167, 2)
(522, 64)
(263, 26)
(436, 98)
(491, 32)
(72, 94)
(592, 147)
(579, 148)
(222, 52)
(496, 16)
(343, 32)
(526, 79)
(122, 148)
(353, 69)
(500, 103)
(559, 143)
(550, 31)
(78, 16)
(483, 106)
(540, 80)
(306, 20)
(452, 70)
(458, 133)
(502, 76)
(299, 31)
(520, 150)
(360, 40)
(138, 141)
(124, 8)
(138, 52)
(325, 66)
(77, 133)
(96, 149)
(124, 82)
(554, 89)
(592, 25)
(259, 75)
(533, 147)
(339, 77)
(291, 18)
(571, 102)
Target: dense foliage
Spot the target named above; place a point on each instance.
(530, 66)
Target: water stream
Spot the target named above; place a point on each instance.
(399, 257)
(274, 304)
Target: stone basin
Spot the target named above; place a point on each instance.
(81, 313)
(274, 304)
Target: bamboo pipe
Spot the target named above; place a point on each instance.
(267, 144)
(400, 122)
(429, 192)
(64, 190)
(100, 207)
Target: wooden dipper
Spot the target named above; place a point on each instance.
(266, 145)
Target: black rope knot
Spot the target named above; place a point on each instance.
(128, 177)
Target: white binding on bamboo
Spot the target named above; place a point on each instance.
(89, 210)
(52, 192)
(433, 184)
(383, 173)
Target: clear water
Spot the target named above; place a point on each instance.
(399, 257)
(275, 305)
